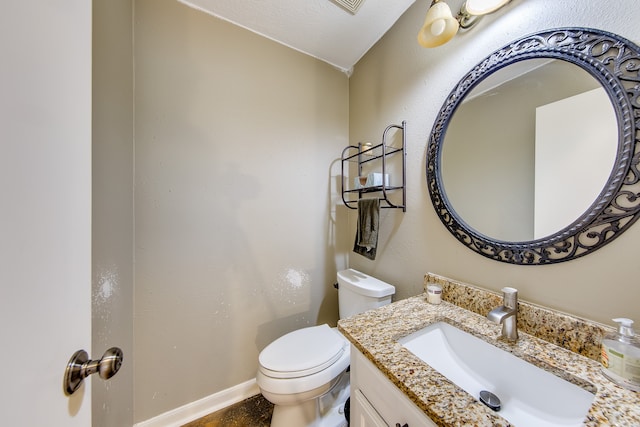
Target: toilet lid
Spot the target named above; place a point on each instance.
(302, 352)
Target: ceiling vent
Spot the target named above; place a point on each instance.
(350, 5)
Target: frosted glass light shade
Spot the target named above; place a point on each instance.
(482, 7)
(439, 26)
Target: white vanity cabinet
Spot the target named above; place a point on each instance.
(377, 402)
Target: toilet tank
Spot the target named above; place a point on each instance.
(359, 292)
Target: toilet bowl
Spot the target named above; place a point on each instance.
(305, 372)
(300, 367)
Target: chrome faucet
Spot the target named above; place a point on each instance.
(507, 314)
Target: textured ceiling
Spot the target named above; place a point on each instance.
(320, 28)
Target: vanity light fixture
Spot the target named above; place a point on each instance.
(440, 25)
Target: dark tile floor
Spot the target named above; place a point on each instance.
(252, 412)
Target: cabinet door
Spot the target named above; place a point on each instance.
(364, 415)
(391, 405)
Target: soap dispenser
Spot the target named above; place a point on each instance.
(620, 356)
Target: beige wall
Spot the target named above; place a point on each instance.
(398, 80)
(112, 210)
(235, 213)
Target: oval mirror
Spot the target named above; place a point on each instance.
(532, 159)
(555, 121)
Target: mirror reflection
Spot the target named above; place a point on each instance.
(516, 150)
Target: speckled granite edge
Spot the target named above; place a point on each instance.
(581, 336)
(376, 332)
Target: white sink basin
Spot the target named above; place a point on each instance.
(529, 396)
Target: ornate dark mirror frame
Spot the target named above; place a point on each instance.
(615, 63)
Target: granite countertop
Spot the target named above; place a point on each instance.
(375, 334)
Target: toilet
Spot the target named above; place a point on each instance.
(305, 372)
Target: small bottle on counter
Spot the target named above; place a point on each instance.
(620, 356)
(434, 294)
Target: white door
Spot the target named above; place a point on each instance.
(45, 208)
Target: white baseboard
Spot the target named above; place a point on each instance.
(194, 410)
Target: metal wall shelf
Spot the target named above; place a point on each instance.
(362, 155)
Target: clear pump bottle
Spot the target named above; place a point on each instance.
(620, 356)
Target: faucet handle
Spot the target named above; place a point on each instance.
(510, 296)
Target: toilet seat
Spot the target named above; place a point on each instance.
(302, 352)
(280, 390)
